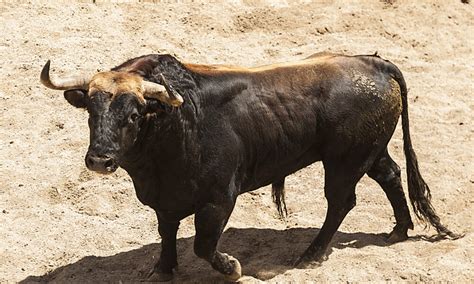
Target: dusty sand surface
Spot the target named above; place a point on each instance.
(62, 223)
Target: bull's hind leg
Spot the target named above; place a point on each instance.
(339, 189)
(387, 174)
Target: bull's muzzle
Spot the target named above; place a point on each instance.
(103, 164)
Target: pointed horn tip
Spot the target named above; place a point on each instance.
(47, 65)
(44, 76)
(177, 102)
(45, 71)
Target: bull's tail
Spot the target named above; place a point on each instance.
(418, 190)
(278, 196)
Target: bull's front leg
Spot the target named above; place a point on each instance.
(210, 222)
(163, 270)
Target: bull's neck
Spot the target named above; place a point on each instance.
(164, 139)
(216, 89)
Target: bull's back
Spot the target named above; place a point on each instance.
(278, 120)
(291, 115)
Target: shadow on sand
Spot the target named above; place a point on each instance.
(263, 253)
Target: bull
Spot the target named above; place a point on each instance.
(194, 137)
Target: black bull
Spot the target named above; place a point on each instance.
(243, 128)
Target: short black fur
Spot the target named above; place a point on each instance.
(240, 129)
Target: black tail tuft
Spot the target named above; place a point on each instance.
(278, 196)
(418, 190)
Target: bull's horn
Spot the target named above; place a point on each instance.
(165, 93)
(69, 83)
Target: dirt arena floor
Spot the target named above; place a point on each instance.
(61, 223)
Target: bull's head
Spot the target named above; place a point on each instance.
(117, 103)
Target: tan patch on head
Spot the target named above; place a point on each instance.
(117, 83)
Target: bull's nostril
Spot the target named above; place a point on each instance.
(108, 163)
(101, 163)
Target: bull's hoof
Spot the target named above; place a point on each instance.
(397, 235)
(305, 261)
(237, 273)
(160, 277)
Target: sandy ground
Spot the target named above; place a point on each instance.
(62, 223)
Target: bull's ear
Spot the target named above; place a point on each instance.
(77, 98)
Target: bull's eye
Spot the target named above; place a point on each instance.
(133, 117)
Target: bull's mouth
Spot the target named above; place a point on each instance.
(108, 170)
